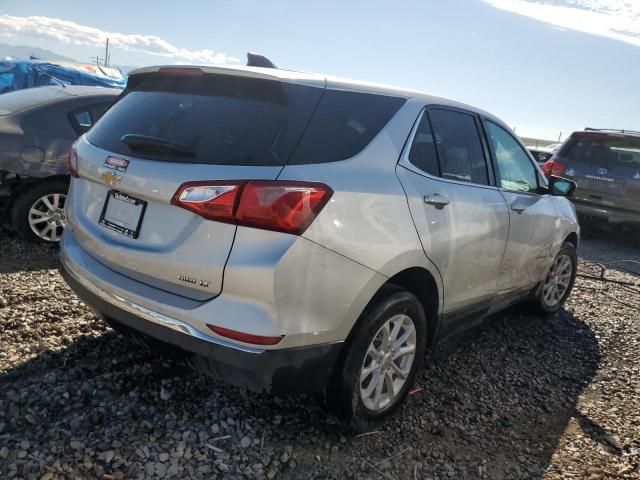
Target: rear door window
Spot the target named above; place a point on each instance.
(223, 120)
(423, 153)
(459, 146)
(343, 125)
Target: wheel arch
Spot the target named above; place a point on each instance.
(424, 285)
(26, 183)
(572, 238)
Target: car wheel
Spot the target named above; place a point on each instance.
(557, 285)
(38, 212)
(380, 361)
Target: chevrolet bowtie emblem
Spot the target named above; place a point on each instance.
(111, 179)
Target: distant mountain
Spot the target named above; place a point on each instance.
(24, 51)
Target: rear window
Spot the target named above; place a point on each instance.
(343, 125)
(224, 120)
(230, 120)
(603, 150)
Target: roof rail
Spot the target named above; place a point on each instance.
(257, 60)
(611, 130)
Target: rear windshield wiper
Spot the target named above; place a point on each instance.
(145, 143)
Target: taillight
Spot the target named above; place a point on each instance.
(210, 200)
(245, 337)
(283, 206)
(553, 167)
(73, 161)
(182, 71)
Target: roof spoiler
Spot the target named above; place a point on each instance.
(257, 60)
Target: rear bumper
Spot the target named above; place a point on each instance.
(289, 370)
(611, 214)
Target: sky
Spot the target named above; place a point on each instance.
(546, 67)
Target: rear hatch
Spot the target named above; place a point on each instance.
(606, 168)
(173, 126)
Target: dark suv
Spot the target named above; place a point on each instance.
(605, 164)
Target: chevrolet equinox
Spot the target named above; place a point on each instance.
(302, 233)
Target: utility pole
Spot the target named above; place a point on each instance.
(106, 54)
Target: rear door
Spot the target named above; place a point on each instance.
(606, 168)
(532, 216)
(460, 215)
(188, 126)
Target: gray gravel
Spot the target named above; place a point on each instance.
(523, 397)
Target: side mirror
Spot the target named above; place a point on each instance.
(561, 186)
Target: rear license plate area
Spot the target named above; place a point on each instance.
(122, 213)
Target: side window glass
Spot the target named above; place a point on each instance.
(515, 169)
(459, 147)
(81, 121)
(423, 149)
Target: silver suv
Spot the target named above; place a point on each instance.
(303, 233)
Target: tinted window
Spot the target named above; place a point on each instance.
(83, 119)
(516, 171)
(459, 147)
(604, 150)
(343, 125)
(224, 120)
(423, 149)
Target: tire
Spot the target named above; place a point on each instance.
(53, 219)
(541, 301)
(345, 395)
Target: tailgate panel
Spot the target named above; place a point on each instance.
(176, 250)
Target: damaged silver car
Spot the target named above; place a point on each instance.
(37, 128)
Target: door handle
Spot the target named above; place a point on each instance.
(518, 209)
(437, 200)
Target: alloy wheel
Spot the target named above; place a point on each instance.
(387, 362)
(46, 216)
(557, 282)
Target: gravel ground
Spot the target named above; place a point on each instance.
(522, 397)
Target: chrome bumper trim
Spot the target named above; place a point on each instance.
(91, 284)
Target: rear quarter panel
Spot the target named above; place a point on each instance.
(367, 219)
